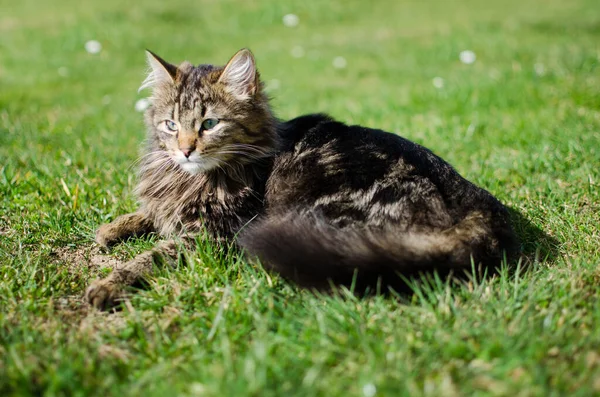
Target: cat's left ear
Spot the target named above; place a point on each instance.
(160, 72)
(240, 75)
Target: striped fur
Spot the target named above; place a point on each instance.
(316, 200)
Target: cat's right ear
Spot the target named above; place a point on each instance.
(160, 71)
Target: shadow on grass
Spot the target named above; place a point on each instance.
(536, 245)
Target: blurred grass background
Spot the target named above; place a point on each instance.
(522, 121)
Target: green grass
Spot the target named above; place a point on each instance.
(523, 121)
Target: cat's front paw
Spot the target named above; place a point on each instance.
(106, 235)
(104, 294)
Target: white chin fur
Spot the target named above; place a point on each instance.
(196, 168)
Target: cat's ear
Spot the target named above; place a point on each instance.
(160, 71)
(240, 75)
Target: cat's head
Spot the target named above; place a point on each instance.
(208, 117)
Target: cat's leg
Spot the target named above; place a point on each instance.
(105, 293)
(124, 226)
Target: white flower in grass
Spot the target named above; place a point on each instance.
(273, 85)
(339, 62)
(297, 52)
(198, 389)
(93, 47)
(539, 68)
(369, 390)
(467, 57)
(438, 82)
(291, 20)
(142, 104)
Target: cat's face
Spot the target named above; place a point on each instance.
(206, 117)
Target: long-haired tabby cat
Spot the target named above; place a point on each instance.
(318, 201)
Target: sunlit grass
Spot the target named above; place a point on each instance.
(522, 120)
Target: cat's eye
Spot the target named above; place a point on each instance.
(171, 125)
(209, 123)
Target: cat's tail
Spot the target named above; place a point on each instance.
(304, 248)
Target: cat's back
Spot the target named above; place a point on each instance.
(322, 144)
(329, 156)
(322, 135)
(354, 174)
(318, 139)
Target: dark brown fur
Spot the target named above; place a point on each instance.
(314, 199)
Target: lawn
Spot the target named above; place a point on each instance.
(522, 120)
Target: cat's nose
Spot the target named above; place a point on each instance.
(187, 151)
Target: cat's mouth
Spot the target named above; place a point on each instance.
(195, 163)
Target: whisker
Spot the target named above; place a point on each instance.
(148, 156)
(242, 153)
(248, 147)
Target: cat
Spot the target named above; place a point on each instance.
(317, 201)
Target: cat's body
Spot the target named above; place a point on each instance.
(314, 199)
